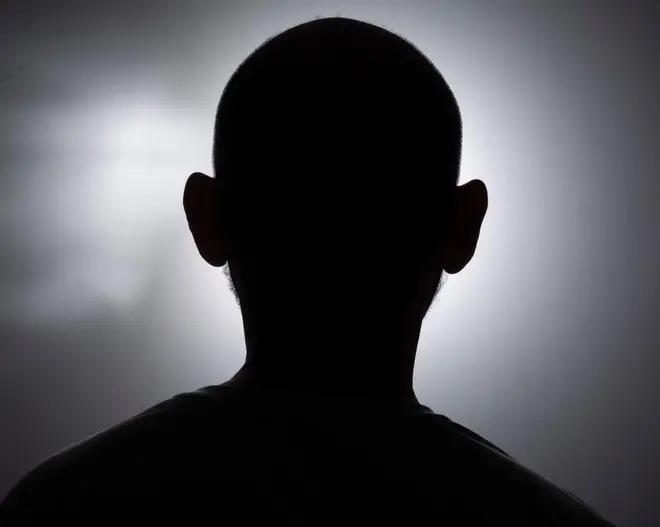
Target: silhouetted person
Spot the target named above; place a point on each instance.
(335, 211)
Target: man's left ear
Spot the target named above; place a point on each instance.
(200, 203)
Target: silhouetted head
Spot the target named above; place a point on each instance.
(336, 156)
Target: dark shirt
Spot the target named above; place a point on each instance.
(228, 456)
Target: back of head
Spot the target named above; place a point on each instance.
(335, 141)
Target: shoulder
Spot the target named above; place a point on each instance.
(502, 485)
(47, 491)
(86, 473)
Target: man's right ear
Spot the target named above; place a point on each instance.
(469, 210)
(200, 202)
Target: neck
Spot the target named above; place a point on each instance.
(369, 356)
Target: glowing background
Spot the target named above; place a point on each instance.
(546, 343)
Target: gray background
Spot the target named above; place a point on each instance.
(546, 343)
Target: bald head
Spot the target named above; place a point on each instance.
(335, 135)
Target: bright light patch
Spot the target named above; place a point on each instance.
(121, 152)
